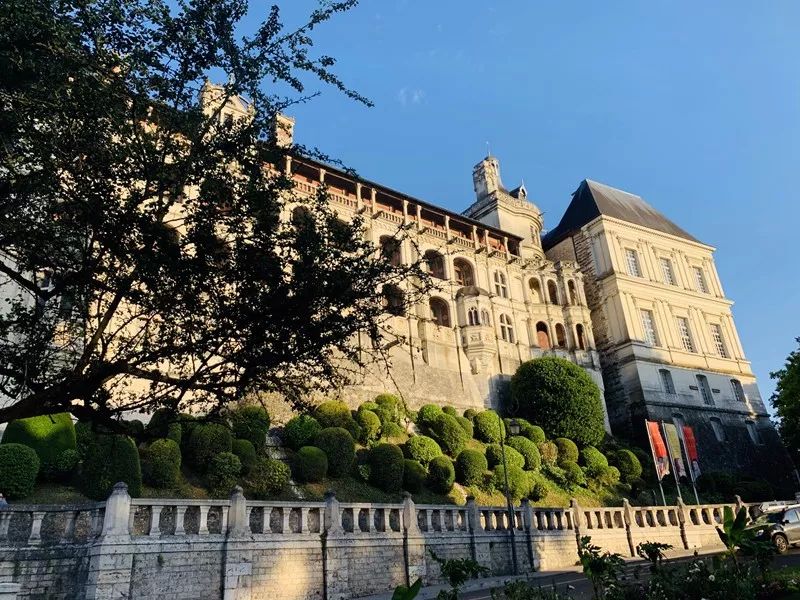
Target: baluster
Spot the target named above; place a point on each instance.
(267, 517)
(285, 529)
(131, 519)
(560, 519)
(155, 520)
(5, 521)
(96, 523)
(224, 520)
(35, 538)
(203, 529)
(69, 526)
(442, 520)
(304, 520)
(428, 520)
(180, 513)
(387, 522)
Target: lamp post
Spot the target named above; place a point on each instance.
(513, 429)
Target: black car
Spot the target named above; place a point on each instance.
(782, 527)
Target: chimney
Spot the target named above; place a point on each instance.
(486, 177)
(283, 130)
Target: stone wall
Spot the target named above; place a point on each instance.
(249, 550)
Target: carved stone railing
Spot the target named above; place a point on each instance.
(36, 525)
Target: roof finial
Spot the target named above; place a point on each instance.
(488, 149)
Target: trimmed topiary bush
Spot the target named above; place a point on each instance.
(414, 475)
(134, 428)
(494, 456)
(300, 431)
(19, 466)
(562, 398)
(339, 447)
(528, 450)
(84, 436)
(549, 453)
(268, 477)
(533, 432)
(206, 441)
(519, 483)
(428, 414)
(470, 414)
(441, 475)
(188, 423)
(161, 463)
(369, 424)
(47, 435)
(567, 451)
(175, 433)
(573, 474)
(246, 452)
(630, 469)
(110, 458)
(488, 427)
(334, 413)
(391, 408)
(608, 476)
(422, 449)
(449, 410)
(594, 461)
(310, 465)
(66, 465)
(160, 420)
(386, 467)
(394, 432)
(223, 474)
(471, 466)
(251, 422)
(538, 486)
(467, 426)
(449, 434)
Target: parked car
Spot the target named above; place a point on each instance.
(782, 526)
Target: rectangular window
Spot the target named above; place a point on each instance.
(666, 269)
(700, 280)
(666, 381)
(738, 390)
(719, 343)
(754, 434)
(686, 336)
(719, 432)
(705, 391)
(633, 262)
(648, 325)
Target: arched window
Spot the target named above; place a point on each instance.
(542, 337)
(666, 381)
(738, 390)
(485, 318)
(390, 250)
(754, 433)
(472, 316)
(561, 336)
(500, 287)
(506, 328)
(463, 272)
(580, 336)
(440, 312)
(435, 263)
(552, 292)
(573, 293)
(536, 291)
(393, 300)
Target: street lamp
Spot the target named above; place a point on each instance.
(513, 429)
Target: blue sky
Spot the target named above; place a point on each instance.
(693, 105)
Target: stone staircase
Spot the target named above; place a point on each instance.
(275, 450)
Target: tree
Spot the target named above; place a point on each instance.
(786, 401)
(147, 254)
(561, 397)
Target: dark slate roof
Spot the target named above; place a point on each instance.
(593, 199)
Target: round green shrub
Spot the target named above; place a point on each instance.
(519, 483)
(175, 433)
(470, 414)
(386, 467)
(246, 452)
(630, 469)
(532, 432)
(556, 474)
(593, 461)
(567, 451)
(300, 431)
(84, 436)
(47, 435)
(608, 476)
(422, 449)
(19, 466)
(441, 475)
(414, 475)
(370, 425)
(251, 422)
(134, 428)
(339, 447)
(449, 410)
(471, 466)
(369, 405)
(538, 486)
(528, 450)
(494, 456)
(467, 426)
(334, 413)
(449, 434)
(206, 441)
(549, 453)
(561, 397)
(223, 474)
(67, 464)
(393, 431)
(160, 420)
(310, 465)
(188, 423)
(573, 474)
(109, 459)
(391, 407)
(268, 477)
(427, 414)
(161, 465)
(488, 427)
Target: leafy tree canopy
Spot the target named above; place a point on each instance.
(786, 401)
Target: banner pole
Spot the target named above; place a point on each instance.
(655, 462)
(689, 461)
(671, 460)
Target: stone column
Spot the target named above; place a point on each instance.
(577, 519)
(111, 556)
(335, 561)
(527, 524)
(627, 519)
(414, 541)
(238, 566)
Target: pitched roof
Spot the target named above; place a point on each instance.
(593, 199)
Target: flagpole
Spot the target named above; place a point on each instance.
(689, 461)
(655, 463)
(672, 461)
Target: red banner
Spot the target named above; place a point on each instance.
(659, 448)
(691, 451)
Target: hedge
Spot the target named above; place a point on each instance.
(422, 449)
(175, 433)
(466, 425)
(494, 456)
(334, 413)
(528, 450)
(593, 461)
(268, 477)
(630, 469)
(427, 414)
(488, 427)
(223, 474)
(206, 441)
(533, 432)
(519, 482)
(246, 452)
(310, 465)
(160, 420)
(549, 452)
(110, 458)
(608, 476)
(449, 410)
(386, 467)
(441, 475)
(567, 451)
(339, 447)
(538, 484)
(414, 475)
(66, 465)
(393, 431)
(573, 474)
(161, 466)
(369, 405)
(300, 431)
(19, 466)
(449, 434)
(391, 408)
(470, 414)
(369, 424)
(471, 466)
(251, 422)
(47, 435)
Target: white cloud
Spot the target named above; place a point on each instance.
(408, 96)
